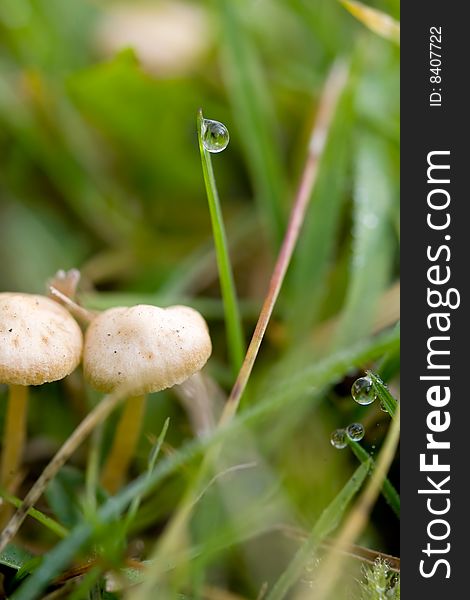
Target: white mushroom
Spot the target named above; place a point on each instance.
(147, 349)
(40, 342)
(168, 37)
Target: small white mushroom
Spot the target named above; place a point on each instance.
(40, 342)
(168, 37)
(147, 349)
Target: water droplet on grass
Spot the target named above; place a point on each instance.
(338, 439)
(362, 391)
(312, 565)
(355, 432)
(215, 136)
(370, 220)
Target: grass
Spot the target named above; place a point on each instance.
(235, 341)
(327, 523)
(101, 172)
(389, 492)
(253, 109)
(110, 511)
(40, 517)
(388, 402)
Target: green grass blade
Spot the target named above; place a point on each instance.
(37, 515)
(325, 525)
(332, 90)
(253, 109)
(388, 490)
(319, 375)
(236, 345)
(15, 557)
(211, 308)
(308, 283)
(134, 507)
(372, 247)
(92, 473)
(296, 383)
(85, 586)
(388, 401)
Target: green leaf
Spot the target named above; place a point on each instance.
(153, 137)
(26, 569)
(15, 557)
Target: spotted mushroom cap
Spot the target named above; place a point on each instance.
(145, 348)
(40, 341)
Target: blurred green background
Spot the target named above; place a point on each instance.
(100, 170)
(100, 167)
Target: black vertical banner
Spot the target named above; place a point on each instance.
(435, 167)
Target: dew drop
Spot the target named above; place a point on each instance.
(383, 407)
(310, 567)
(370, 220)
(355, 432)
(362, 391)
(338, 439)
(215, 136)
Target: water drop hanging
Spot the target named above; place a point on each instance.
(362, 391)
(355, 432)
(338, 439)
(215, 136)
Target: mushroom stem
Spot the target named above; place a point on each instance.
(14, 434)
(202, 400)
(92, 420)
(124, 445)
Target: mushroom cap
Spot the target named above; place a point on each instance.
(145, 348)
(40, 341)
